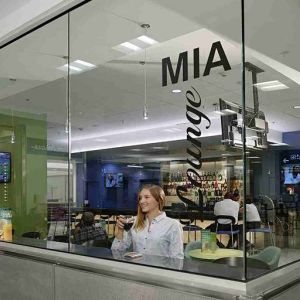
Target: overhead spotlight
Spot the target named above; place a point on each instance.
(176, 91)
(145, 112)
(13, 138)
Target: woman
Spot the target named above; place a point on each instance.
(153, 232)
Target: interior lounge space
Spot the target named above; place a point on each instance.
(156, 136)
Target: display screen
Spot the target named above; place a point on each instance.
(5, 160)
(113, 180)
(291, 174)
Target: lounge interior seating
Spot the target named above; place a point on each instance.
(269, 255)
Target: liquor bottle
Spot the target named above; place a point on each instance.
(209, 178)
(214, 176)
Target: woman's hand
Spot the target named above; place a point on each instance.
(120, 227)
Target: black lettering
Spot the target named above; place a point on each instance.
(222, 62)
(193, 102)
(196, 63)
(187, 201)
(191, 179)
(198, 114)
(167, 65)
(197, 156)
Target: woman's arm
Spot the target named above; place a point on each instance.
(176, 241)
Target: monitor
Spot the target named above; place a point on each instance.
(113, 180)
(5, 167)
(231, 122)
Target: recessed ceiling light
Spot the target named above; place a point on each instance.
(176, 91)
(279, 144)
(147, 40)
(130, 46)
(84, 63)
(135, 166)
(159, 148)
(296, 106)
(271, 85)
(73, 68)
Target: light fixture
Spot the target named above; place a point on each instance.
(145, 110)
(147, 40)
(136, 149)
(176, 91)
(66, 127)
(13, 137)
(296, 106)
(159, 148)
(84, 63)
(77, 66)
(279, 144)
(271, 85)
(135, 166)
(130, 46)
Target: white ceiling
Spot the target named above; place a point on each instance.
(107, 102)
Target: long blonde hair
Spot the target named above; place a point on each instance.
(158, 194)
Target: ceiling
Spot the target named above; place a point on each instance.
(107, 101)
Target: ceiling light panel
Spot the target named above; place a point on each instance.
(130, 46)
(271, 86)
(134, 45)
(147, 40)
(77, 66)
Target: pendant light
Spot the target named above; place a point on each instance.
(13, 137)
(145, 110)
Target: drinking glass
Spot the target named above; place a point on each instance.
(128, 222)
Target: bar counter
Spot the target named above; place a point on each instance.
(180, 276)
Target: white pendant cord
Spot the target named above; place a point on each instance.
(145, 79)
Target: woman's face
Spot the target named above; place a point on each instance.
(147, 202)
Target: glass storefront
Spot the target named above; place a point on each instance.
(104, 105)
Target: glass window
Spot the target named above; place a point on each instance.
(272, 123)
(34, 143)
(148, 96)
(125, 134)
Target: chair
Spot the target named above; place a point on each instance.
(269, 218)
(109, 222)
(191, 246)
(230, 232)
(188, 226)
(263, 230)
(269, 255)
(32, 235)
(187, 223)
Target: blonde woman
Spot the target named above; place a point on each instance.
(153, 232)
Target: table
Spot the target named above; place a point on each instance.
(219, 253)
